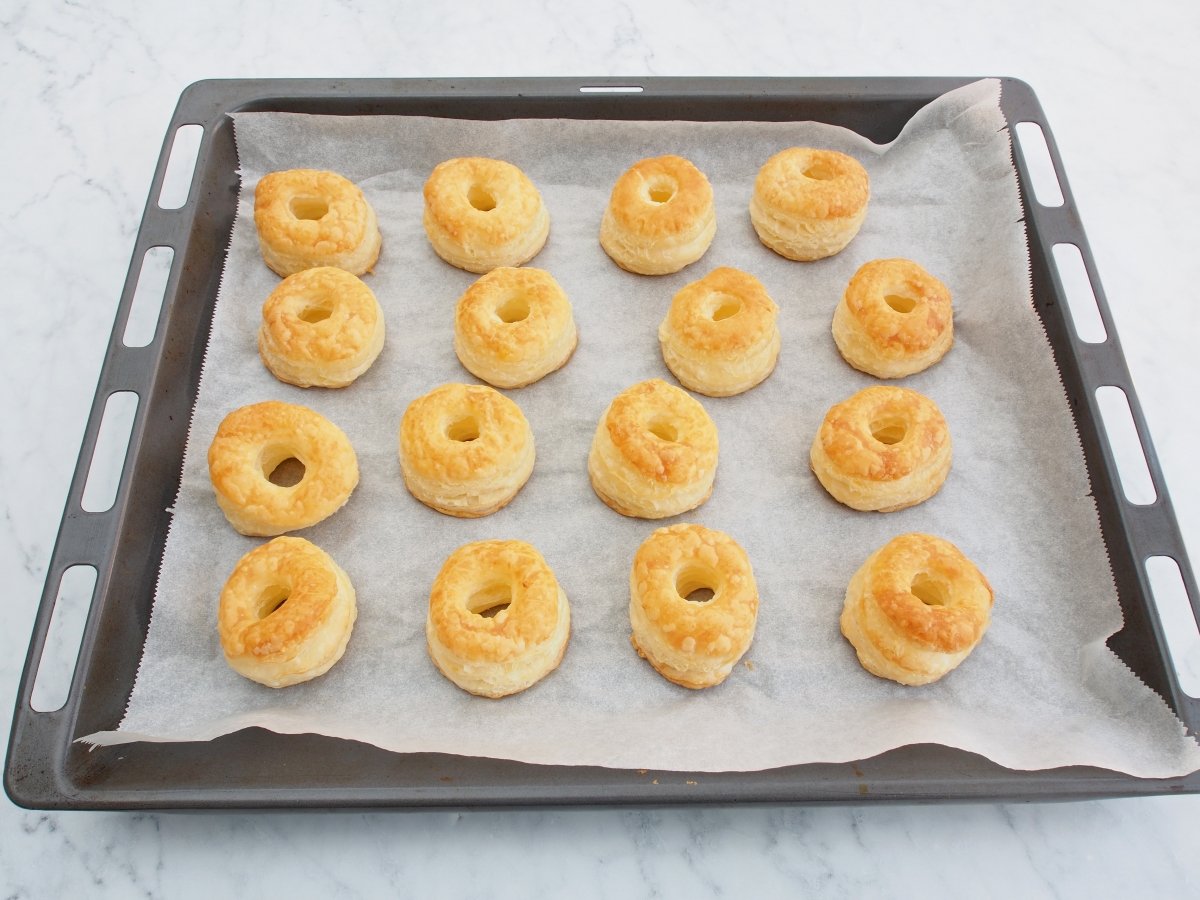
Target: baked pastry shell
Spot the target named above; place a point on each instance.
(693, 644)
(484, 213)
(502, 654)
(285, 613)
(253, 440)
(883, 449)
(720, 337)
(894, 319)
(915, 609)
(321, 327)
(514, 326)
(310, 217)
(465, 450)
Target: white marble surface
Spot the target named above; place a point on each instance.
(87, 92)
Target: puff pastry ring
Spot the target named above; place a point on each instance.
(498, 620)
(309, 217)
(465, 450)
(660, 216)
(514, 326)
(654, 453)
(894, 319)
(885, 448)
(321, 327)
(915, 609)
(286, 613)
(719, 337)
(251, 443)
(809, 204)
(484, 213)
(694, 643)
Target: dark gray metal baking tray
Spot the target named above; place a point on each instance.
(259, 769)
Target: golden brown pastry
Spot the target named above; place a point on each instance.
(660, 216)
(286, 613)
(308, 218)
(915, 609)
(809, 204)
(894, 319)
(654, 453)
(320, 328)
(514, 326)
(884, 449)
(498, 619)
(465, 449)
(484, 213)
(253, 441)
(719, 337)
(694, 643)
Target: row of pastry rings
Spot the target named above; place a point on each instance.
(467, 450)
(481, 214)
(499, 621)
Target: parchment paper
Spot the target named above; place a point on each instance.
(1040, 691)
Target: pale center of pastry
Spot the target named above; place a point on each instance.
(696, 583)
(315, 313)
(820, 171)
(724, 306)
(900, 303)
(660, 190)
(481, 198)
(930, 590)
(514, 309)
(304, 206)
(663, 430)
(272, 597)
(889, 430)
(463, 430)
(280, 467)
(490, 599)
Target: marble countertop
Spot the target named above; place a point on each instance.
(88, 91)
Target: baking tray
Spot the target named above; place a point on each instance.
(255, 768)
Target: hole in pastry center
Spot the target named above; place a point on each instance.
(696, 584)
(900, 303)
(490, 600)
(664, 430)
(481, 198)
(929, 590)
(312, 208)
(514, 309)
(727, 307)
(271, 599)
(286, 473)
(463, 430)
(315, 314)
(889, 430)
(820, 172)
(660, 191)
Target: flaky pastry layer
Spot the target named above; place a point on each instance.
(484, 213)
(660, 216)
(309, 217)
(884, 449)
(253, 440)
(320, 328)
(654, 453)
(285, 613)
(498, 655)
(915, 609)
(894, 319)
(514, 326)
(719, 336)
(809, 204)
(694, 644)
(465, 450)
